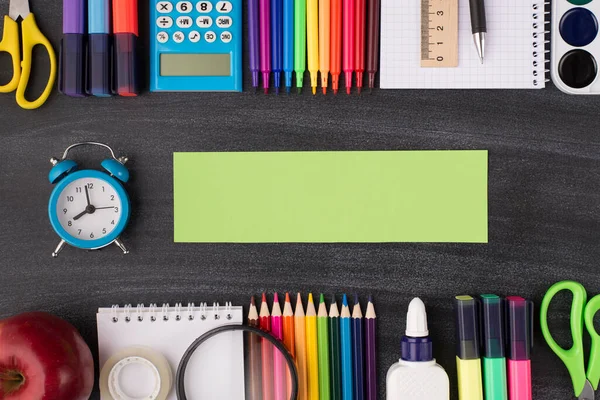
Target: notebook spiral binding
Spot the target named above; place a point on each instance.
(541, 40)
(165, 312)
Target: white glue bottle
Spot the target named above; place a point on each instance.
(417, 376)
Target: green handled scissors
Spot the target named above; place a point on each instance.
(584, 383)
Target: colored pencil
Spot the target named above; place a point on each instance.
(255, 389)
(312, 41)
(266, 351)
(312, 352)
(346, 351)
(324, 42)
(373, 40)
(370, 351)
(300, 337)
(335, 59)
(277, 42)
(335, 363)
(264, 7)
(279, 367)
(288, 43)
(359, 65)
(323, 345)
(299, 42)
(348, 25)
(358, 351)
(288, 337)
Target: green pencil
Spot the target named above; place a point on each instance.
(323, 343)
(299, 42)
(335, 363)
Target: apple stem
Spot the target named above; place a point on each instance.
(11, 381)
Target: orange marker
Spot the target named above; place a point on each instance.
(324, 35)
(125, 29)
(361, 16)
(335, 59)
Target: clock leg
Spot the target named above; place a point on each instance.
(58, 249)
(119, 243)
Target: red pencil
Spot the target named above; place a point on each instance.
(266, 351)
(349, 28)
(360, 42)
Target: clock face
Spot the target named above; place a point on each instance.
(89, 208)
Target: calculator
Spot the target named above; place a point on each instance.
(195, 46)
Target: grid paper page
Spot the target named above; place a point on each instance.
(512, 60)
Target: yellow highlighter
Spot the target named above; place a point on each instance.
(312, 41)
(468, 360)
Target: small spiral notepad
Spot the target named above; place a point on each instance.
(514, 53)
(215, 371)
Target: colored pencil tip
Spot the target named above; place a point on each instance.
(314, 90)
(266, 90)
(299, 92)
(345, 300)
(348, 90)
(322, 298)
(370, 298)
(275, 298)
(287, 297)
(252, 302)
(325, 91)
(355, 298)
(333, 300)
(264, 297)
(310, 298)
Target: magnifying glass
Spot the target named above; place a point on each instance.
(211, 369)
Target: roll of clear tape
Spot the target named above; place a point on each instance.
(136, 373)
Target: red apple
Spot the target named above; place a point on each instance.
(43, 357)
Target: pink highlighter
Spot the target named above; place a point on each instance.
(520, 343)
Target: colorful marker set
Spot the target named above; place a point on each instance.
(327, 37)
(501, 329)
(93, 60)
(335, 351)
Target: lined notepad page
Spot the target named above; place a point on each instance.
(514, 52)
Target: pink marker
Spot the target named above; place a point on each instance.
(279, 363)
(520, 342)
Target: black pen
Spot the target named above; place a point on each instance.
(478, 25)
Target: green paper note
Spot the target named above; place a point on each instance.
(353, 196)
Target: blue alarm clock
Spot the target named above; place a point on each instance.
(89, 209)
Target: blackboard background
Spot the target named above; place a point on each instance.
(544, 171)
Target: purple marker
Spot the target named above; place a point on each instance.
(71, 77)
(265, 42)
(253, 27)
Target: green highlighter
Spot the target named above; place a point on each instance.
(299, 42)
(494, 361)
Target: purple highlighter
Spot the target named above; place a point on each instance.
(71, 77)
(254, 38)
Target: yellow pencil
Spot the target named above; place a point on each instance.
(312, 41)
(300, 339)
(312, 350)
(324, 39)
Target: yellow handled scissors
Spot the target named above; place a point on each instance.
(31, 37)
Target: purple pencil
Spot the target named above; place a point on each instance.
(265, 42)
(254, 38)
(370, 352)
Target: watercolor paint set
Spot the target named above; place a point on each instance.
(575, 46)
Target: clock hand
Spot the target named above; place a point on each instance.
(104, 208)
(75, 218)
(87, 195)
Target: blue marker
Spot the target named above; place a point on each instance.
(277, 41)
(288, 42)
(346, 351)
(99, 48)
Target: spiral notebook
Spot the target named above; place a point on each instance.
(215, 371)
(514, 53)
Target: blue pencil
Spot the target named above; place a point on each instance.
(346, 347)
(288, 43)
(358, 351)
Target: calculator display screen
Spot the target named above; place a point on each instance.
(195, 64)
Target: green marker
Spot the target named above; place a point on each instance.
(494, 361)
(323, 346)
(299, 42)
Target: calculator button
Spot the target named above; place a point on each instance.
(185, 22)
(162, 37)
(224, 7)
(185, 7)
(204, 22)
(164, 22)
(164, 7)
(223, 22)
(210, 36)
(226, 37)
(204, 6)
(194, 36)
(178, 37)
